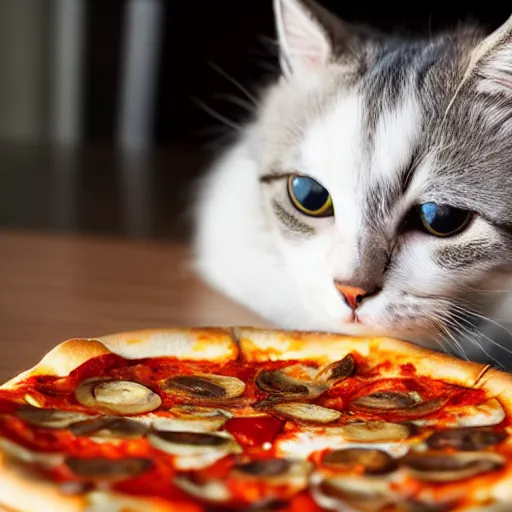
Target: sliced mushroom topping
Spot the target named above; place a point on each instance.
(386, 400)
(193, 443)
(189, 418)
(376, 432)
(374, 462)
(280, 383)
(264, 467)
(275, 472)
(214, 491)
(307, 412)
(117, 396)
(205, 387)
(419, 506)
(351, 494)
(338, 371)
(267, 505)
(467, 439)
(110, 427)
(101, 468)
(404, 404)
(50, 418)
(444, 467)
(481, 415)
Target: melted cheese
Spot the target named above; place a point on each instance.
(303, 444)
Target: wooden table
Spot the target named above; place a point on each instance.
(57, 287)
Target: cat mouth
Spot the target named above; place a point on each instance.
(356, 319)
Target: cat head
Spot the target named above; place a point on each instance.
(386, 171)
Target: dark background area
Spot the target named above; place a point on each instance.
(237, 36)
(92, 188)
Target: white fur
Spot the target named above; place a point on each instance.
(313, 126)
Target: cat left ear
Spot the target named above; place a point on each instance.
(304, 41)
(491, 62)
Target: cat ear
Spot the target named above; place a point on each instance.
(303, 33)
(491, 62)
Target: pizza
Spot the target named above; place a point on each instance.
(196, 420)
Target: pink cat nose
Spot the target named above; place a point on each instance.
(353, 295)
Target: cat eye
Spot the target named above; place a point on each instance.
(442, 220)
(309, 197)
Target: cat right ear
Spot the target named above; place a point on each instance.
(304, 41)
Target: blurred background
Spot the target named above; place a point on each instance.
(110, 109)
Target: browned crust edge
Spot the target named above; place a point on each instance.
(22, 489)
(498, 384)
(225, 343)
(427, 362)
(214, 344)
(62, 360)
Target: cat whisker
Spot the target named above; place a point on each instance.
(482, 317)
(440, 339)
(216, 115)
(493, 342)
(251, 97)
(464, 331)
(457, 344)
(249, 107)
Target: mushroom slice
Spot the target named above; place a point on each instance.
(467, 439)
(307, 412)
(110, 427)
(193, 443)
(351, 494)
(393, 402)
(189, 418)
(50, 418)
(102, 468)
(450, 467)
(279, 383)
(117, 396)
(373, 462)
(481, 415)
(282, 477)
(293, 472)
(214, 491)
(265, 468)
(204, 386)
(376, 432)
(385, 400)
(337, 371)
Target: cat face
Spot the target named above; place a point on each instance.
(386, 173)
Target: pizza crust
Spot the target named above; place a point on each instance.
(259, 345)
(215, 345)
(498, 385)
(62, 360)
(21, 488)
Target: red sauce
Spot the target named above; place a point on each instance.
(254, 434)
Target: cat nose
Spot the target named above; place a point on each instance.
(353, 295)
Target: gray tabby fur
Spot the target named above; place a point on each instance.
(384, 123)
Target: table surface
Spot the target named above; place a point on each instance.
(55, 287)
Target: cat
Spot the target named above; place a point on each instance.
(371, 193)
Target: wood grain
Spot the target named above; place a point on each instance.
(56, 287)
